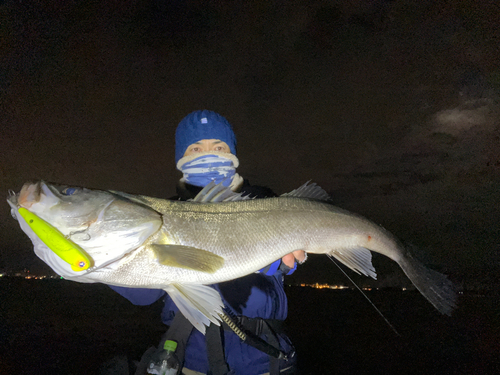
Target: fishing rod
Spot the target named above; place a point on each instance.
(250, 338)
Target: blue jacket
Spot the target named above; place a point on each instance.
(253, 296)
(259, 295)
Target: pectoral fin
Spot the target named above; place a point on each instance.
(187, 257)
(200, 304)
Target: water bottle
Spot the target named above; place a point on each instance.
(166, 363)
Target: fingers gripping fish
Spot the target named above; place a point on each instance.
(182, 247)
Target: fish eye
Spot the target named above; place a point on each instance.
(70, 191)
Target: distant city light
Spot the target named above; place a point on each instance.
(339, 287)
(324, 286)
(27, 275)
(41, 277)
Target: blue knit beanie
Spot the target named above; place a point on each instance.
(200, 125)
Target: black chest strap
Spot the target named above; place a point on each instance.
(180, 330)
(215, 350)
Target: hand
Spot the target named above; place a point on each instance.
(297, 255)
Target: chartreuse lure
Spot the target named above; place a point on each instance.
(66, 249)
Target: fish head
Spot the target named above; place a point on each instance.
(104, 225)
(69, 209)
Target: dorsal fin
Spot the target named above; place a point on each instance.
(213, 193)
(310, 191)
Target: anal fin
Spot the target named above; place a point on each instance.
(357, 259)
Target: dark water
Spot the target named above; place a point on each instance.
(61, 327)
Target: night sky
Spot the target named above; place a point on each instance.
(390, 106)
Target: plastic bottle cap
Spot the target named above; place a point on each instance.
(170, 345)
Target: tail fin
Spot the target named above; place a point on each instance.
(433, 285)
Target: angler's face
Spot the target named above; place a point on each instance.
(207, 145)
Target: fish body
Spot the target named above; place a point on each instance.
(181, 247)
(252, 234)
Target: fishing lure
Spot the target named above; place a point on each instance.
(66, 249)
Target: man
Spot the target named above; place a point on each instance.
(205, 151)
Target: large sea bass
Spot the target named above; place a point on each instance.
(181, 247)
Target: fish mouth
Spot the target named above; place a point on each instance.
(30, 194)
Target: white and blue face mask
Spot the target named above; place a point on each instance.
(205, 167)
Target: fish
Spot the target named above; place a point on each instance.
(88, 235)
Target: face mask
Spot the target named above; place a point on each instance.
(206, 168)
